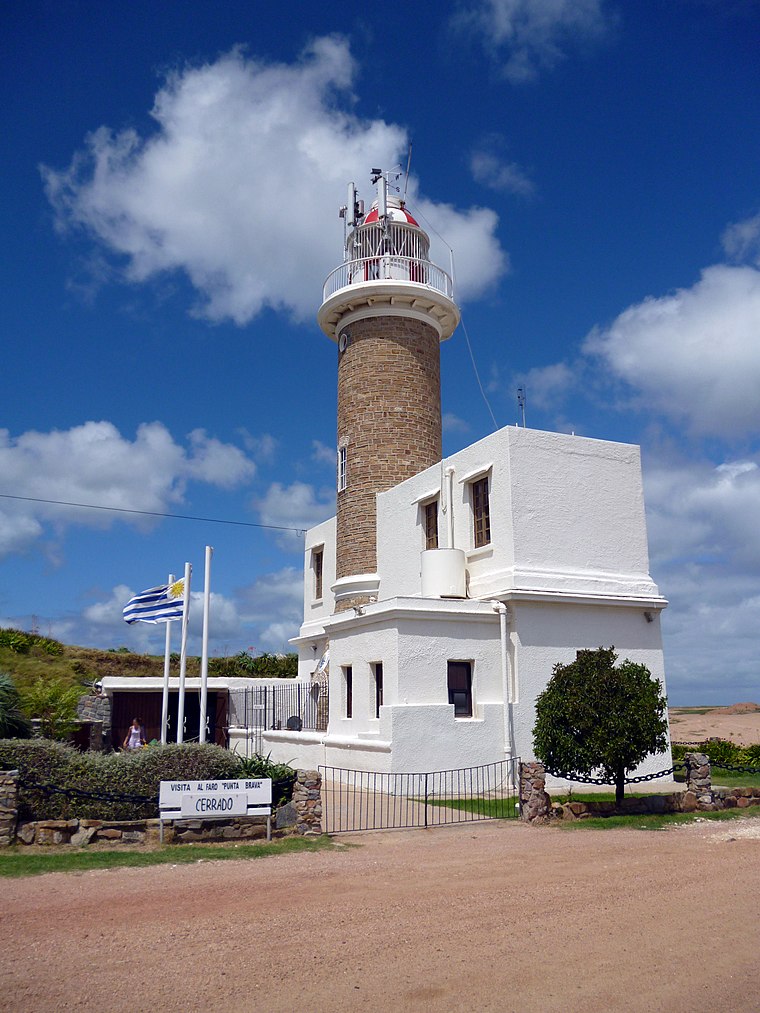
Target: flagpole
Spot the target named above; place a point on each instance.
(167, 662)
(183, 656)
(204, 649)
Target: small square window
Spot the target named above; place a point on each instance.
(460, 688)
(481, 513)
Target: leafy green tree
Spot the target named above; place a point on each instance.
(54, 702)
(595, 716)
(13, 723)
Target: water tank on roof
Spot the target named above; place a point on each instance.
(443, 573)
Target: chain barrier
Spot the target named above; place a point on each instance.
(582, 779)
(738, 770)
(97, 796)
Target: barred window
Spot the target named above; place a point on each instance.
(481, 513)
(348, 675)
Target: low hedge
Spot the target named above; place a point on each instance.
(720, 752)
(44, 762)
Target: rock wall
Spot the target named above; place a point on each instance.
(8, 806)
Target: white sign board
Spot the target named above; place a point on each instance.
(215, 799)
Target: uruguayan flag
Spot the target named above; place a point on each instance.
(157, 604)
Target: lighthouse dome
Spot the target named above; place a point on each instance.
(396, 213)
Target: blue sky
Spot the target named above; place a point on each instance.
(172, 175)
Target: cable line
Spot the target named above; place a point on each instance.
(154, 513)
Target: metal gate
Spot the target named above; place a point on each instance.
(370, 800)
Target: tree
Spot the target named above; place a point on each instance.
(13, 724)
(594, 716)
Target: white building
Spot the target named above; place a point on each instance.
(480, 572)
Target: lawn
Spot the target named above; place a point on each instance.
(654, 822)
(25, 861)
(495, 808)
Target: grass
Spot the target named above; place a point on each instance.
(24, 861)
(495, 808)
(653, 822)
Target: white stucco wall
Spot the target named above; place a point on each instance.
(567, 514)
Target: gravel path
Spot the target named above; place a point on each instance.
(493, 916)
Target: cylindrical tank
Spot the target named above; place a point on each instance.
(443, 573)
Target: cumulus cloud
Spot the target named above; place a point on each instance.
(741, 240)
(297, 505)
(239, 183)
(498, 174)
(261, 616)
(692, 355)
(452, 423)
(546, 387)
(529, 36)
(705, 552)
(93, 463)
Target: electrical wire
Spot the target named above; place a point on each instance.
(154, 513)
(477, 375)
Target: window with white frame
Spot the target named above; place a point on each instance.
(342, 459)
(348, 679)
(378, 687)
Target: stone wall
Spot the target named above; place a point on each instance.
(698, 796)
(301, 816)
(8, 806)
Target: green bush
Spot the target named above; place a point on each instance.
(282, 774)
(750, 756)
(40, 761)
(20, 642)
(54, 703)
(13, 723)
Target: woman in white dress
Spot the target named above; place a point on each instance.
(135, 737)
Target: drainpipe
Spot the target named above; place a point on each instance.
(509, 736)
(450, 498)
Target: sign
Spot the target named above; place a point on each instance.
(215, 799)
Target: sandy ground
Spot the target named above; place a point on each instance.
(723, 722)
(495, 916)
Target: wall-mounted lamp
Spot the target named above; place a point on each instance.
(649, 617)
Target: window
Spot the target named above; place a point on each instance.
(348, 675)
(378, 688)
(481, 513)
(317, 558)
(341, 469)
(460, 688)
(430, 522)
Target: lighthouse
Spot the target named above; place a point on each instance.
(387, 307)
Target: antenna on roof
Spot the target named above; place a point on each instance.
(521, 403)
(408, 164)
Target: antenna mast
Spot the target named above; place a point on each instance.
(521, 403)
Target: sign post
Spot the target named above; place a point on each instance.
(215, 800)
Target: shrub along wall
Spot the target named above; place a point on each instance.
(41, 762)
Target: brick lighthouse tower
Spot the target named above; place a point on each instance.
(388, 308)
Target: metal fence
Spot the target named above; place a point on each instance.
(371, 800)
(300, 706)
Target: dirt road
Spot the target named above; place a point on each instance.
(493, 916)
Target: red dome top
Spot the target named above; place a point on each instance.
(396, 213)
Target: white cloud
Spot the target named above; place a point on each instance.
(534, 35)
(93, 463)
(546, 387)
(705, 551)
(239, 184)
(322, 453)
(492, 171)
(452, 423)
(294, 506)
(693, 355)
(741, 240)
